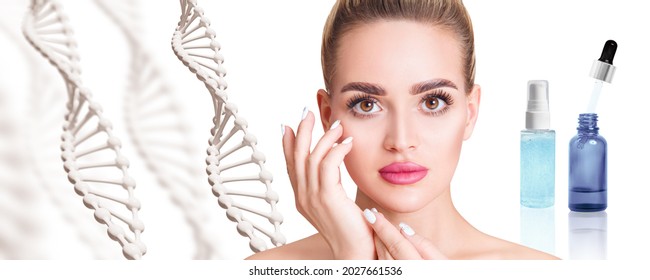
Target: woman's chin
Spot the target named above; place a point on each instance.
(402, 201)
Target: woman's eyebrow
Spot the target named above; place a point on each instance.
(364, 87)
(432, 84)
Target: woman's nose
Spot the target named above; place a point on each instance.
(401, 133)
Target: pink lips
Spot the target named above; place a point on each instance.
(403, 173)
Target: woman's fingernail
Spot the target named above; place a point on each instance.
(374, 210)
(304, 113)
(347, 140)
(406, 229)
(335, 124)
(282, 126)
(370, 217)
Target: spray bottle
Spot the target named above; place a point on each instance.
(537, 150)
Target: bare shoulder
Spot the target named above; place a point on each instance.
(496, 248)
(517, 251)
(310, 248)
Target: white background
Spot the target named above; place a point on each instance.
(272, 51)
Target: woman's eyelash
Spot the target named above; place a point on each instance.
(440, 94)
(358, 98)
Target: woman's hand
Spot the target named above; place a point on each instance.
(319, 195)
(399, 244)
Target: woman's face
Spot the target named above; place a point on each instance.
(398, 90)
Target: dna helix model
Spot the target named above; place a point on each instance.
(235, 166)
(155, 121)
(46, 108)
(28, 166)
(90, 150)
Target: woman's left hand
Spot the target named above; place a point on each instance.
(400, 244)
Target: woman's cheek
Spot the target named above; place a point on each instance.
(364, 148)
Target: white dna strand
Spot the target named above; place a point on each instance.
(156, 123)
(27, 173)
(235, 167)
(47, 107)
(90, 151)
(41, 136)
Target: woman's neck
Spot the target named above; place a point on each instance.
(438, 221)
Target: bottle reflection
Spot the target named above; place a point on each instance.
(588, 235)
(537, 228)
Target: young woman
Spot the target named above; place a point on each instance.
(400, 100)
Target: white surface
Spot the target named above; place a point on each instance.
(272, 52)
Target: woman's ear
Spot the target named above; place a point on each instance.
(473, 102)
(324, 107)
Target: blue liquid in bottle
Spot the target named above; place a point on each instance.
(588, 167)
(537, 165)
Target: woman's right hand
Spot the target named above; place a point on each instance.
(319, 195)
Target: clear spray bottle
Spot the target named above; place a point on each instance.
(588, 149)
(537, 150)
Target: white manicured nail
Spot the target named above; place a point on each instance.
(370, 217)
(282, 126)
(406, 229)
(304, 113)
(374, 210)
(335, 124)
(347, 140)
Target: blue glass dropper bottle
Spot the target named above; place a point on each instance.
(588, 149)
(588, 167)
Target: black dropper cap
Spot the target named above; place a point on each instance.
(603, 68)
(609, 50)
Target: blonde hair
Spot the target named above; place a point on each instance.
(449, 14)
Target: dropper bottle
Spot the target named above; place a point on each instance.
(588, 149)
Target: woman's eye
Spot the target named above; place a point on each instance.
(433, 104)
(366, 107)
